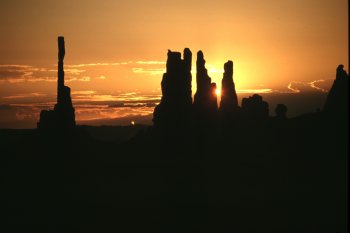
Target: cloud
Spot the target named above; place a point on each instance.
(82, 92)
(322, 85)
(22, 73)
(25, 95)
(97, 64)
(140, 69)
(81, 79)
(265, 90)
(73, 71)
(5, 107)
(27, 115)
(151, 62)
(11, 73)
(105, 112)
(18, 73)
(128, 97)
(150, 71)
(15, 73)
(134, 105)
(25, 73)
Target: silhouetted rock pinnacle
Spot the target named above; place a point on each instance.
(63, 115)
(205, 100)
(254, 107)
(229, 100)
(337, 102)
(281, 111)
(175, 108)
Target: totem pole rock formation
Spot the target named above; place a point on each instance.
(64, 107)
(175, 108)
(205, 100)
(229, 100)
(63, 115)
(337, 102)
(229, 111)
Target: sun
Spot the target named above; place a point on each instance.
(218, 92)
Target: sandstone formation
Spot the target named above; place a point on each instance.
(254, 107)
(205, 100)
(281, 111)
(63, 115)
(229, 100)
(175, 108)
(337, 103)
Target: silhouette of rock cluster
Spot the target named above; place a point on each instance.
(63, 115)
(176, 108)
(337, 102)
(255, 107)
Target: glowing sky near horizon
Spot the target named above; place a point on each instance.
(115, 47)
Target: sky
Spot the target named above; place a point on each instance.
(116, 50)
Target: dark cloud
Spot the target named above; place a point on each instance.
(8, 74)
(134, 104)
(5, 107)
(23, 73)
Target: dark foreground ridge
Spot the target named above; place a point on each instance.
(200, 168)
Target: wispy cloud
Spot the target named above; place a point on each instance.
(151, 62)
(97, 64)
(25, 73)
(150, 71)
(81, 79)
(15, 66)
(20, 73)
(82, 92)
(251, 91)
(105, 112)
(316, 84)
(89, 105)
(321, 85)
(292, 88)
(74, 71)
(123, 98)
(16, 73)
(26, 95)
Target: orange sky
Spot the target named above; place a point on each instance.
(120, 46)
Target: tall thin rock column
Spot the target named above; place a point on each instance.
(60, 71)
(205, 99)
(229, 100)
(63, 115)
(64, 107)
